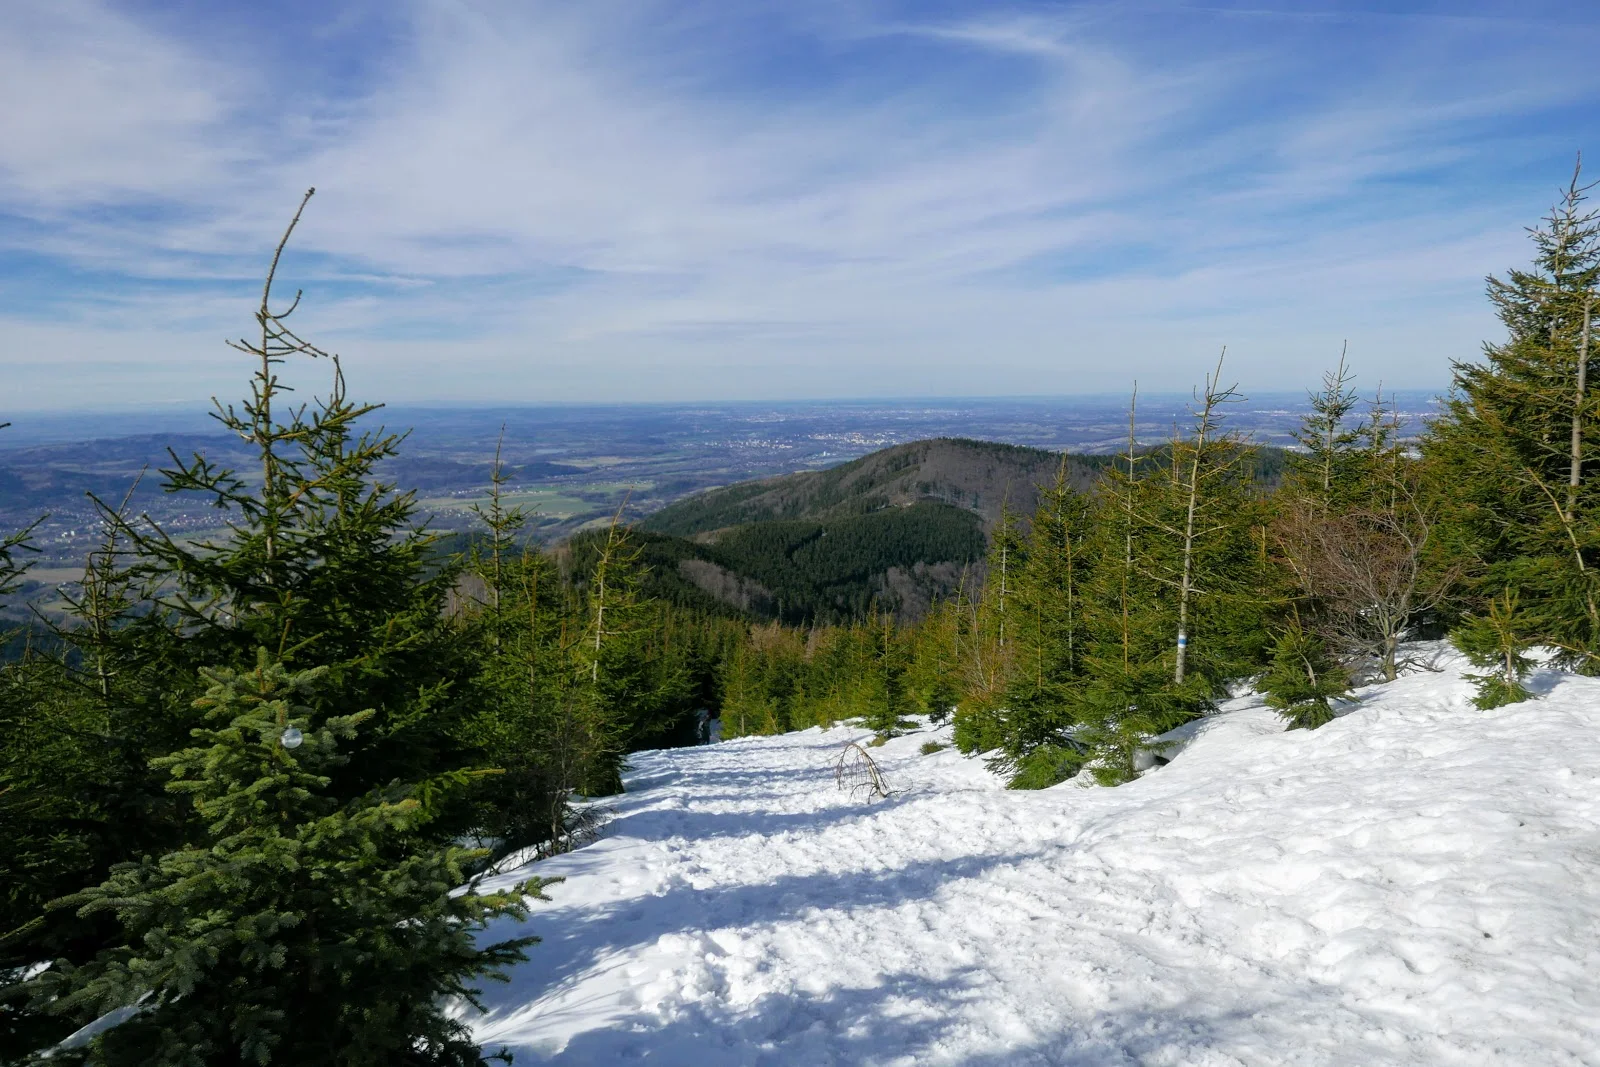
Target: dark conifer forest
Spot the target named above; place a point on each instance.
(243, 781)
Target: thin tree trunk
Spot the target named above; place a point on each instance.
(1575, 477)
(532, 589)
(1072, 625)
(1186, 582)
(599, 620)
(1127, 548)
(495, 481)
(1005, 548)
(1038, 644)
(1333, 430)
(271, 339)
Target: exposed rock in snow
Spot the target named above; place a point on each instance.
(1416, 883)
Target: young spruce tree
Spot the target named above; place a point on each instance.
(298, 928)
(1495, 638)
(888, 699)
(1303, 679)
(988, 640)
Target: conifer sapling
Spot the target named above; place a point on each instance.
(1303, 680)
(1497, 640)
(296, 928)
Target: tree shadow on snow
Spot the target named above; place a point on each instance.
(1542, 680)
(576, 939)
(907, 1018)
(695, 824)
(759, 781)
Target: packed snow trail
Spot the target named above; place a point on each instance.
(1416, 883)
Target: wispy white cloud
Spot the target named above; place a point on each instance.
(103, 111)
(647, 199)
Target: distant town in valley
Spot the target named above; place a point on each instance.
(570, 466)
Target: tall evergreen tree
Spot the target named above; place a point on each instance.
(322, 565)
(1195, 517)
(628, 694)
(527, 729)
(1049, 637)
(1512, 448)
(1173, 606)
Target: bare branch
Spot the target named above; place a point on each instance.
(855, 771)
(277, 254)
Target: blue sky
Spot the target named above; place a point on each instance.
(733, 199)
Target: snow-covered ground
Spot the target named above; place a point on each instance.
(1415, 883)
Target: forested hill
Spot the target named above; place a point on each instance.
(892, 531)
(977, 476)
(804, 572)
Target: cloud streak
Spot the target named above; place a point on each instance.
(649, 200)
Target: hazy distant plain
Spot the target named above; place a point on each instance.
(573, 464)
